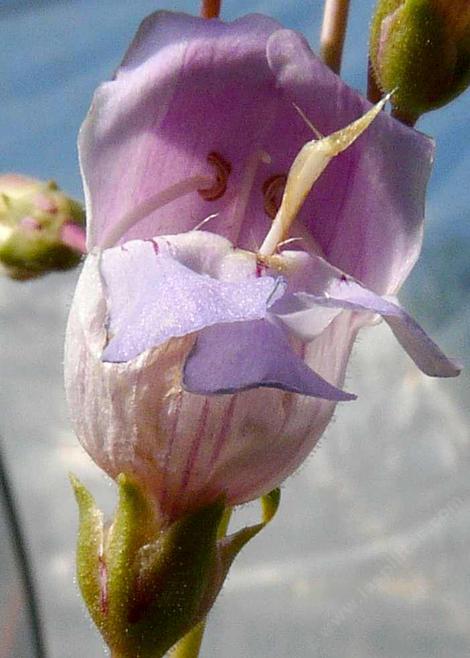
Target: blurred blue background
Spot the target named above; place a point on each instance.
(368, 557)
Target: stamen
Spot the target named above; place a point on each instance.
(222, 169)
(314, 130)
(284, 243)
(246, 184)
(260, 268)
(273, 189)
(151, 204)
(204, 221)
(311, 161)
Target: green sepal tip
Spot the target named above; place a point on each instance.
(89, 550)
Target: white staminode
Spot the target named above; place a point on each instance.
(311, 161)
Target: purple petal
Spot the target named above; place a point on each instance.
(152, 297)
(294, 311)
(187, 87)
(345, 293)
(242, 355)
(367, 209)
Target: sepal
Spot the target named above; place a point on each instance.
(89, 551)
(230, 546)
(145, 583)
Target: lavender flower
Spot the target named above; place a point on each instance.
(206, 360)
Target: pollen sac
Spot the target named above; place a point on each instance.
(222, 170)
(420, 50)
(34, 218)
(273, 189)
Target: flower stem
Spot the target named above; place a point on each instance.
(210, 8)
(24, 566)
(374, 93)
(406, 119)
(335, 19)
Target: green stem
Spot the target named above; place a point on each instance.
(20, 547)
(406, 119)
(190, 645)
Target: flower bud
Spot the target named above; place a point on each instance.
(421, 49)
(40, 228)
(147, 583)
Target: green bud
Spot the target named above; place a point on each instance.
(147, 584)
(420, 51)
(40, 228)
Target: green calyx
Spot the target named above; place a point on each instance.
(420, 50)
(146, 586)
(32, 218)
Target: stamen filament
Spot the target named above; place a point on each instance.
(314, 130)
(205, 220)
(147, 207)
(311, 161)
(284, 243)
(273, 189)
(246, 185)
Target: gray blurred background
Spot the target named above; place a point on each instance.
(368, 556)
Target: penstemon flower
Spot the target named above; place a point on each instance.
(214, 317)
(206, 360)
